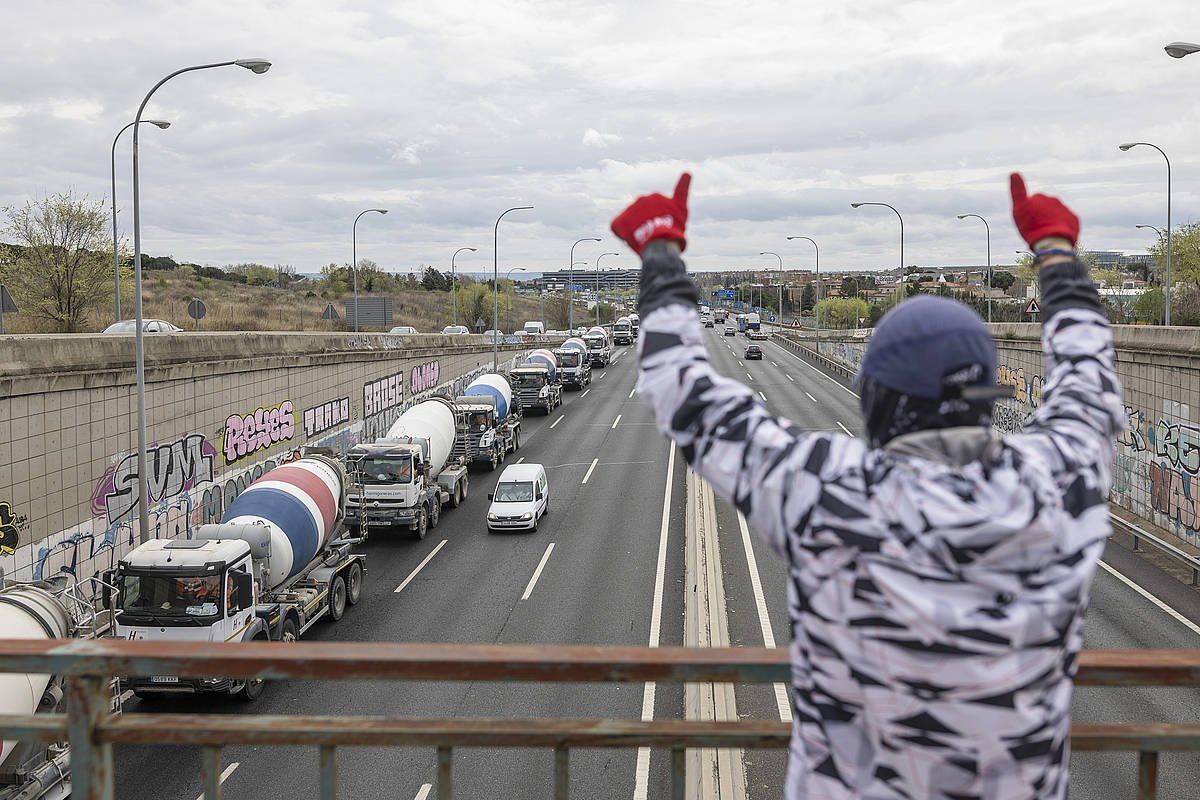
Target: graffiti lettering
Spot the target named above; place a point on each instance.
(325, 416)
(1027, 391)
(1007, 419)
(257, 431)
(383, 394)
(424, 377)
(1174, 494)
(1179, 444)
(1134, 433)
(171, 470)
(10, 529)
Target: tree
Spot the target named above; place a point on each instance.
(1147, 306)
(1003, 280)
(808, 296)
(64, 267)
(1185, 256)
(433, 280)
(842, 312)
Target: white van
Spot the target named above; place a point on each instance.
(535, 328)
(455, 330)
(521, 499)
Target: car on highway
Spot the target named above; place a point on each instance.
(757, 336)
(455, 330)
(729, 331)
(753, 351)
(521, 499)
(405, 329)
(148, 326)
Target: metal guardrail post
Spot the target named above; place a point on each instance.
(1147, 788)
(445, 777)
(678, 773)
(562, 773)
(329, 773)
(210, 772)
(88, 705)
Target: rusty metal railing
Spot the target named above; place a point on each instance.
(92, 729)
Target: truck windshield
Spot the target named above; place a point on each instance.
(169, 599)
(514, 492)
(568, 358)
(478, 421)
(386, 469)
(530, 378)
(595, 344)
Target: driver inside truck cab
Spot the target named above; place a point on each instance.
(479, 421)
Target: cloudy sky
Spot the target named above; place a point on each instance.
(448, 113)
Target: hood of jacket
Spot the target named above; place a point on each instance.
(954, 447)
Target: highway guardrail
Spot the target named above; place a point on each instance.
(92, 729)
(1141, 535)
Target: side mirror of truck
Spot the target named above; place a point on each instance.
(108, 580)
(420, 468)
(491, 497)
(243, 583)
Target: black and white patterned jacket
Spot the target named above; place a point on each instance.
(937, 586)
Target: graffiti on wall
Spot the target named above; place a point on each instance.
(383, 394)
(171, 469)
(424, 377)
(11, 525)
(1027, 389)
(849, 353)
(258, 430)
(1156, 472)
(326, 416)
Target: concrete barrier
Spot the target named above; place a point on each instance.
(222, 408)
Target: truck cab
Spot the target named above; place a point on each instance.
(394, 487)
(482, 437)
(598, 349)
(533, 385)
(635, 322)
(622, 331)
(574, 368)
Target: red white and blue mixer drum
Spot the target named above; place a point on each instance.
(298, 504)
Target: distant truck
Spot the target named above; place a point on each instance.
(489, 422)
(752, 322)
(280, 560)
(535, 328)
(622, 331)
(536, 382)
(405, 478)
(599, 350)
(720, 315)
(574, 369)
(635, 322)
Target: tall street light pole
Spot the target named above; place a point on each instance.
(496, 284)
(571, 281)
(1161, 236)
(769, 253)
(893, 208)
(987, 228)
(1167, 271)
(454, 282)
(817, 301)
(354, 257)
(602, 255)
(258, 66)
(508, 277)
(158, 123)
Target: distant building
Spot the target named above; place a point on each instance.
(590, 279)
(1114, 259)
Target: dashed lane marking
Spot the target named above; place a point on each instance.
(584, 394)
(843, 427)
(790, 378)
(519, 460)
(225, 773)
(420, 566)
(615, 421)
(810, 397)
(748, 375)
(426, 788)
(537, 573)
(560, 419)
(822, 373)
(595, 461)
(632, 392)
(763, 396)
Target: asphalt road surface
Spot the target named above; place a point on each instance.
(596, 586)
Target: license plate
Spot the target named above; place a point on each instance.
(164, 679)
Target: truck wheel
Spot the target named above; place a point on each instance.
(290, 632)
(456, 496)
(466, 488)
(493, 463)
(435, 513)
(422, 524)
(337, 598)
(354, 574)
(516, 440)
(251, 690)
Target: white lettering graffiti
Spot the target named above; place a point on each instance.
(325, 416)
(382, 394)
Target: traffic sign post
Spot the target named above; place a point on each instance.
(330, 313)
(1033, 308)
(197, 310)
(6, 305)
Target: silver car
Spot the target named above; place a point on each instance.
(148, 326)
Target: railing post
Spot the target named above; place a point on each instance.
(88, 704)
(1147, 775)
(445, 776)
(1137, 543)
(210, 772)
(329, 773)
(678, 773)
(562, 774)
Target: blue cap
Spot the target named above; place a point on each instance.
(926, 345)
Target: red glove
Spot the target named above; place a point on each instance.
(653, 216)
(1040, 216)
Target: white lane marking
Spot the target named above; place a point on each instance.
(613, 363)
(519, 460)
(225, 773)
(537, 573)
(642, 774)
(810, 397)
(420, 566)
(843, 427)
(1193, 627)
(763, 396)
(426, 788)
(632, 392)
(790, 378)
(601, 375)
(748, 375)
(773, 364)
(560, 419)
(615, 421)
(782, 702)
(595, 461)
(822, 373)
(584, 393)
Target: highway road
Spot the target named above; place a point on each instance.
(589, 576)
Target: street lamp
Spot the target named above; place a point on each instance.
(496, 284)
(987, 228)
(1161, 236)
(1167, 269)
(454, 282)
(354, 257)
(508, 277)
(158, 123)
(769, 253)
(816, 313)
(571, 281)
(893, 208)
(257, 66)
(602, 255)
(1181, 49)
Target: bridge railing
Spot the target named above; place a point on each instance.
(92, 730)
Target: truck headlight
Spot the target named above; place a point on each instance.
(486, 439)
(545, 392)
(527, 515)
(492, 517)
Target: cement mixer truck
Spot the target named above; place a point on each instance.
(573, 365)
(536, 381)
(279, 561)
(408, 476)
(622, 331)
(599, 351)
(489, 422)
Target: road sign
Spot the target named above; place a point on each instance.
(197, 310)
(7, 306)
(772, 318)
(726, 294)
(1033, 307)
(330, 313)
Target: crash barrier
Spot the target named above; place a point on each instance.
(1142, 536)
(92, 730)
(804, 349)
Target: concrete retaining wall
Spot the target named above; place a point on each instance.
(221, 409)
(1157, 467)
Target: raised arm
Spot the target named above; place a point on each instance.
(1081, 410)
